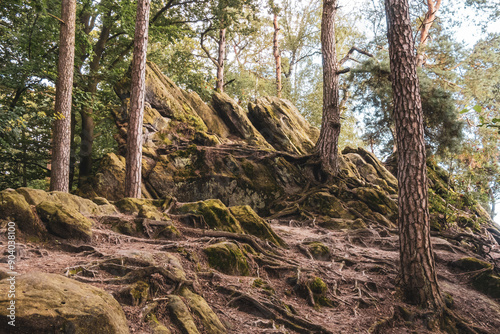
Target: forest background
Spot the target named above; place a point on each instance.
(460, 78)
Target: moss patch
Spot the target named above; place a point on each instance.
(56, 304)
(319, 250)
(255, 225)
(202, 310)
(64, 221)
(228, 258)
(216, 215)
(13, 207)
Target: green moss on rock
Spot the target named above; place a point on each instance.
(328, 205)
(471, 264)
(319, 250)
(216, 214)
(13, 207)
(253, 224)
(64, 222)
(202, 310)
(181, 316)
(488, 283)
(339, 224)
(55, 304)
(135, 294)
(228, 258)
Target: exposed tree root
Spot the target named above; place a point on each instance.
(277, 313)
(443, 319)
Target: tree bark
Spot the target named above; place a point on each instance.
(221, 60)
(430, 16)
(418, 278)
(61, 141)
(133, 166)
(327, 145)
(277, 55)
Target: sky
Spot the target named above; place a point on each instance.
(468, 33)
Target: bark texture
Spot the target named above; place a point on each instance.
(418, 278)
(277, 55)
(327, 145)
(133, 164)
(61, 140)
(221, 60)
(430, 16)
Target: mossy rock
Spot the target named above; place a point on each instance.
(64, 222)
(49, 303)
(124, 225)
(328, 205)
(319, 289)
(216, 214)
(181, 316)
(340, 224)
(377, 200)
(261, 284)
(253, 224)
(488, 283)
(159, 229)
(82, 205)
(14, 207)
(471, 264)
(136, 205)
(319, 250)
(202, 310)
(228, 258)
(135, 294)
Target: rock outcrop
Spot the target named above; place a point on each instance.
(48, 303)
(237, 232)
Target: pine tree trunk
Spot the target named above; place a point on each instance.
(61, 141)
(430, 17)
(136, 107)
(277, 55)
(327, 145)
(221, 59)
(418, 277)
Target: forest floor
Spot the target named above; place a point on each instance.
(360, 273)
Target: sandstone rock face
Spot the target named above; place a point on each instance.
(261, 158)
(48, 303)
(282, 125)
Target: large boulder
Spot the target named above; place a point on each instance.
(237, 120)
(282, 125)
(14, 207)
(49, 303)
(215, 214)
(64, 221)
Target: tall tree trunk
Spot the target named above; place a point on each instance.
(87, 132)
(59, 175)
(430, 16)
(418, 278)
(133, 166)
(221, 60)
(327, 145)
(277, 55)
